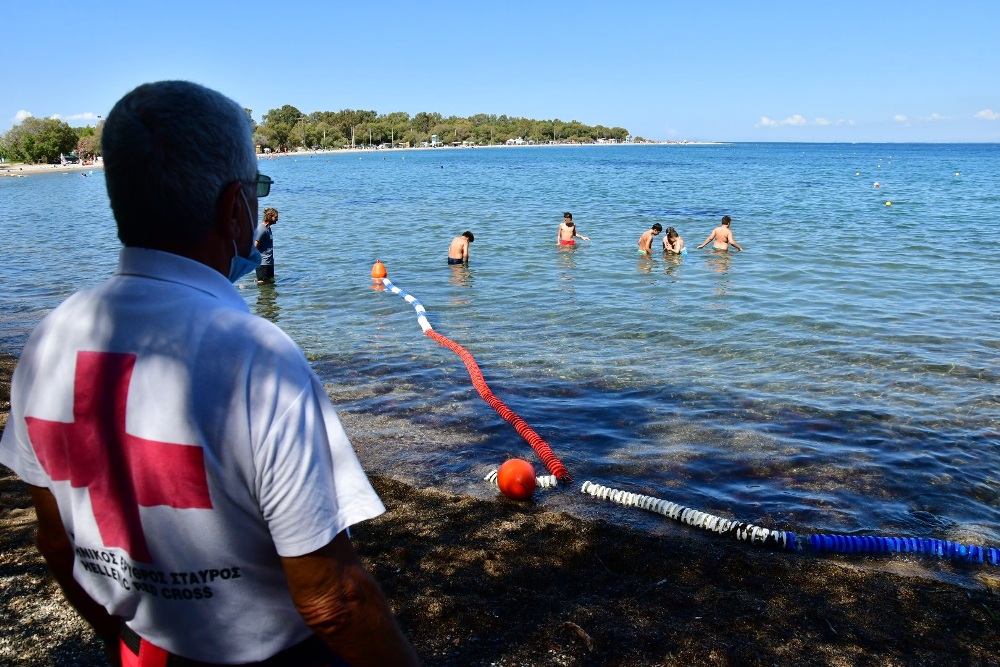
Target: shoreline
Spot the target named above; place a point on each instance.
(20, 169)
(497, 583)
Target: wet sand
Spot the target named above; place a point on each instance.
(495, 583)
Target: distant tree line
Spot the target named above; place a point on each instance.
(287, 127)
(44, 139)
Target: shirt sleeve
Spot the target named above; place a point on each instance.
(16, 451)
(310, 483)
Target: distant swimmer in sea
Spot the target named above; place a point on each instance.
(567, 231)
(646, 240)
(721, 237)
(673, 243)
(458, 251)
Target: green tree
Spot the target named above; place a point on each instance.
(89, 143)
(278, 126)
(40, 140)
(423, 122)
(398, 124)
(287, 114)
(287, 126)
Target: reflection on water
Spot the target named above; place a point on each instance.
(644, 263)
(670, 262)
(719, 262)
(461, 275)
(566, 255)
(267, 302)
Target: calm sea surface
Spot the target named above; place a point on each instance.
(841, 375)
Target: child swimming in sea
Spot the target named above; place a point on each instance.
(673, 242)
(567, 233)
(646, 240)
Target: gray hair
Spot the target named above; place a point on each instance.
(169, 149)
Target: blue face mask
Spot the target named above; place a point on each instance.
(240, 266)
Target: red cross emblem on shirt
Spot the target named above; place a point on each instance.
(120, 471)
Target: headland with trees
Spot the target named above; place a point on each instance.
(49, 140)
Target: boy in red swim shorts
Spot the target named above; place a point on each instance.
(567, 231)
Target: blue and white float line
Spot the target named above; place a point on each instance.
(425, 326)
(788, 541)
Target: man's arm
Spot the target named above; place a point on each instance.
(340, 600)
(708, 240)
(57, 550)
(465, 250)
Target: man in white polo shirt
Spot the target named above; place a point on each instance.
(192, 481)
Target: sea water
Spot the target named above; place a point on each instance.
(839, 375)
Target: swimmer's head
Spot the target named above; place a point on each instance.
(657, 228)
(567, 216)
(672, 233)
(469, 235)
(726, 220)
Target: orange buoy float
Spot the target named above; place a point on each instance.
(378, 270)
(516, 479)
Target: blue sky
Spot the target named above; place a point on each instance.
(706, 71)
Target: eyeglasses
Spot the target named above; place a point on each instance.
(263, 185)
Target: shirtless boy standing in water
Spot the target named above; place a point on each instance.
(721, 236)
(458, 251)
(646, 240)
(567, 231)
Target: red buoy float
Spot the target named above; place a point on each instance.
(516, 479)
(378, 270)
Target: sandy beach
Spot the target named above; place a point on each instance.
(18, 169)
(504, 584)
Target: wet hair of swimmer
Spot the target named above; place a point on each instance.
(469, 235)
(657, 227)
(568, 215)
(672, 233)
(726, 219)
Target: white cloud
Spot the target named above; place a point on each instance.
(21, 115)
(798, 120)
(900, 118)
(935, 117)
(987, 114)
(88, 116)
(55, 116)
(791, 120)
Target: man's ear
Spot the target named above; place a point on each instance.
(230, 211)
